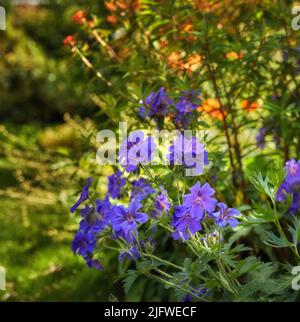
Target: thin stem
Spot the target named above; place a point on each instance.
(163, 261)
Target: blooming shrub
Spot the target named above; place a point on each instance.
(230, 231)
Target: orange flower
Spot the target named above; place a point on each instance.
(79, 17)
(193, 63)
(232, 55)
(110, 6)
(186, 27)
(112, 19)
(122, 5)
(69, 41)
(213, 108)
(249, 106)
(175, 61)
(91, 23)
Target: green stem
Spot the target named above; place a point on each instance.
(161, 280)
(163, 261)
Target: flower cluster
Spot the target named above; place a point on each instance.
(124, 221)
(159, 105)
(291, 185)
(96, 218)
(136, 149)
(189, 153)
(197, 205)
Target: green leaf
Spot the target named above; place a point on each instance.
(129, 280)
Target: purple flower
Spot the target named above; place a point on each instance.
(292, 168)
(142, 112)
(162, 204)
(282, 192)
(184, 223)
(158, 103)
(200, 291)
(188, 102)
(83, 243)
(93, 263)
(115, 183)
(226, 216)
(261, 137)
(296, 203)
(135, 150)
(140, 189)
(290, 185)
(185, 106)
(131, 254)
(96, 220)
(124, 221)
(200, 200)
(83, 196)
(189, 153)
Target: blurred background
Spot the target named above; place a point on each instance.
(41, 87)
(52, 103)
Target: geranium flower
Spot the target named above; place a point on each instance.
(140, 190)
(162, 203)
(84, 195)
(124, 221)
(200, 200)
(158, 103)
(136, 149)
(292, 168)
(225, 216)
(188, 152)
(115, 183)
(184, 223)
(83, 243)
(93, 263)
(131, 254)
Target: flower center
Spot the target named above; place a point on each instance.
(293, 169)
(129, 217)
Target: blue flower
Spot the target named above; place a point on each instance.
(226, 216)
(162, 204)
(187, 103)
(142, 112)
(136, 149)
(158, 103)
(290, 185)
(131, 254)
(292, 168)
(84, 243)
(84, 195)
(96, 220)
(124, 221)
(200, 291)
(93, 263)
(200, 200)
(141, 189)
(296, 202)
(261, 137)
(184, 223)
(189, 153)
(115, 183)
